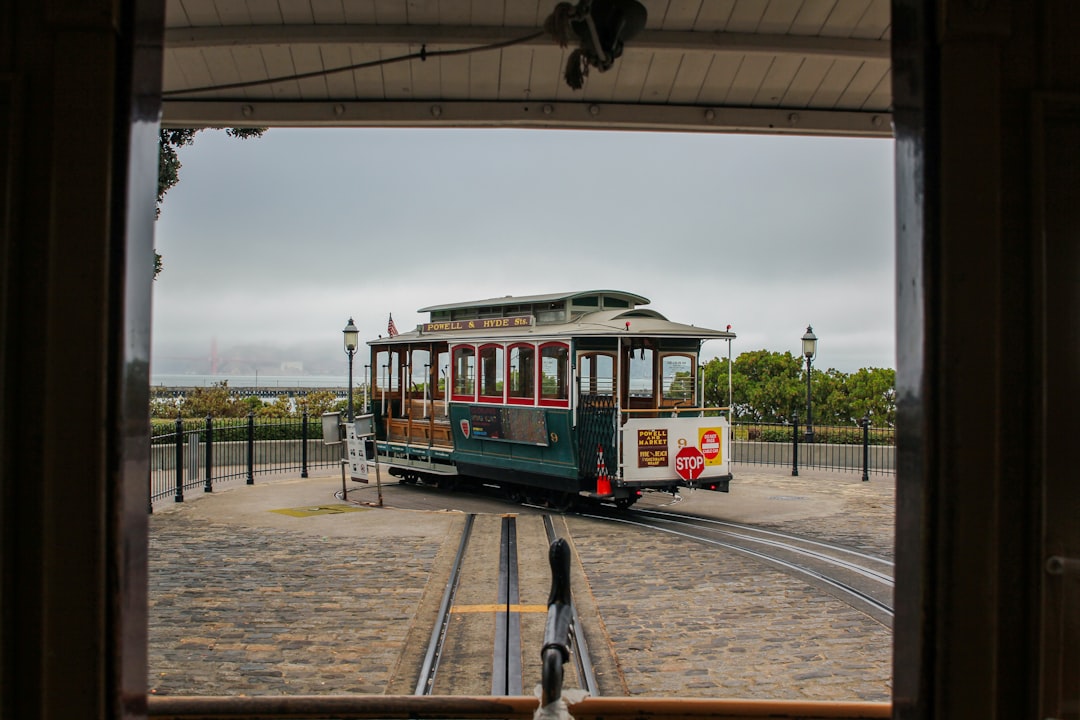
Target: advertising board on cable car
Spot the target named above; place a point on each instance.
(686, 448)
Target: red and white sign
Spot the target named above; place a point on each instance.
(689, 462)
(466, 426)
(710, 444)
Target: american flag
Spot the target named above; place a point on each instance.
(391, 328)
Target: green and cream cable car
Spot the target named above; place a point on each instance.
(553, 398)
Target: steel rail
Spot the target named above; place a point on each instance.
(775, 533)
(506, 657)
(579, 649)
(438, 633)
(844, 588)
(791, 547)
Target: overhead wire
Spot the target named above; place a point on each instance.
(422, 55)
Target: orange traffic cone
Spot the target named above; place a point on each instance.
(603, 482)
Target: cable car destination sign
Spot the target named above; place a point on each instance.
(502, 323)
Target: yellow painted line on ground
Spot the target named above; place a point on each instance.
(495, 607)
(312, 510)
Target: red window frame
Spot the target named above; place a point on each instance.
(500, 363)
(531, 399)
(553, 402)
(454, 395)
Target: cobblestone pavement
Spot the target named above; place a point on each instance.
(245, 599)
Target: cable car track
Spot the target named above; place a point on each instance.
(507, 643)
(866, 589)
(438, 634)
(793, 544)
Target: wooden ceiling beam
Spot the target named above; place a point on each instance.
(442, 36)
(537, 115)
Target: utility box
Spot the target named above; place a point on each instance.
(331, 428)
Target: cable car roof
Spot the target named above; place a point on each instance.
(511, 300)
(633, 323)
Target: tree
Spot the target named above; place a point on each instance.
(282, 407)
(169, 140)
(316, 403)
(768, 386)
(873, 393)
(771, 387)
(215, 401)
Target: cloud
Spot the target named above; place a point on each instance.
(280, 240)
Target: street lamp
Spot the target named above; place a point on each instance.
(809, 350)
(351, 337)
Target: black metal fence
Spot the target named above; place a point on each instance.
(199, 454)
(860, 448)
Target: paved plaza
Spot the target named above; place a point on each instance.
(283, 588)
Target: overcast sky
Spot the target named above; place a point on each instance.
(278, 241)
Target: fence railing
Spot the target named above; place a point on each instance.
(199, 454)
(860, 448)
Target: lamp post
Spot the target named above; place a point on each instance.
(351, 336)
(809, 350)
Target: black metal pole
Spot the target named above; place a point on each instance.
(303, 445)
(795, 444)
(179, 460)
(209, 484)
(251, 449)
(865, 422)
(350, 415)
(809, 411)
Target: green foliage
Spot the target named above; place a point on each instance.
(252, 404)
(219, 402)
(163, 432)
(770, 387)
(215, 401)
(767, 386)
(281, 408)
(769, 433)
(317, 403)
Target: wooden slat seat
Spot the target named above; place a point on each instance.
(423, 431)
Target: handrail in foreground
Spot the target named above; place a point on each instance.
(370, 707)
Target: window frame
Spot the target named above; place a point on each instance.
(454, 394)
(498, 365)
(522, 400)
(563, 402)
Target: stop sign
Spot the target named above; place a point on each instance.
(710, 444)
(689, 462)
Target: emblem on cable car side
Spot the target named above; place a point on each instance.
(465, 427)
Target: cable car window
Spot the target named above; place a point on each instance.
(491, 373)
(677, 378)
(597, 374)
(554, 367)
(419, 367)
(442, 368)
(386, 370)
(521, 374)
(464, 380)
(641, 373)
